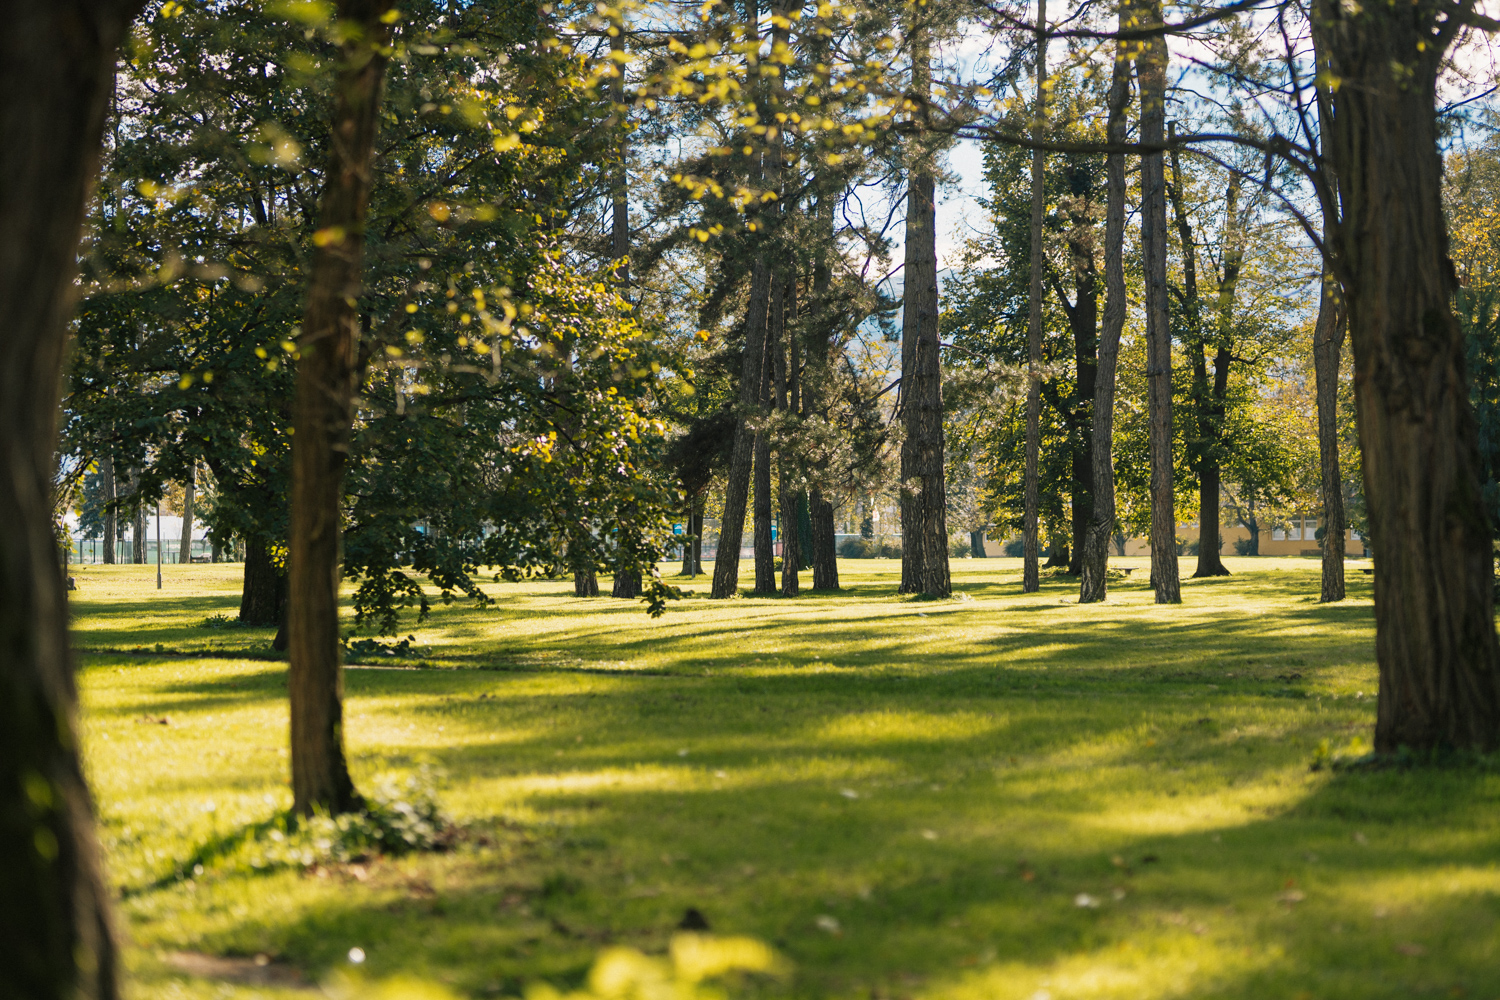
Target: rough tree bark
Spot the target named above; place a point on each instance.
(1328, 345)
(57, 64)
(742, 455)
(788, 493)
(924, 515)
(1435, 639)
(1083, 321)
(185, 543)
(1092, 585)
(328, 375)
(1152, 72)
(627, 584)
(1030, 553)
(107, 499)
(825, 567)
(263, 594)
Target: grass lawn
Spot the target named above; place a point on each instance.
(992, 797)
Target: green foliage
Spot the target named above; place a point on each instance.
(870, 548)
(507, 394)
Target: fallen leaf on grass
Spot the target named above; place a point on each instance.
(1412, 949)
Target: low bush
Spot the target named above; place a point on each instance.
(870, 548)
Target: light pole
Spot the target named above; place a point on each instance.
(158, 545)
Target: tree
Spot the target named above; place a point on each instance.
(1328, 346)
(1030, 582)
(328, 374)
(1152, 73)
(1435, 639)
(744, 456)
(56, 73)
(924, 527)
(1092, 577)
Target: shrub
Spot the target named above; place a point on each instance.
(1015, 548)
(1242, 546)
(858, 548)
(959, 547)
(870, 548)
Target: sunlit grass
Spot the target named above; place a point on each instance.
(909, 798)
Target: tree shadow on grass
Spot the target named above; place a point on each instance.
(1299, 890)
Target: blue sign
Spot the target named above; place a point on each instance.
(676, 529)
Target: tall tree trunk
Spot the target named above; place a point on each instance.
(1208, 398)
(764, 544)
(1092, 585)
(185, 545)
(742, 454)
(626, 584)
(1083, 320)
(787, 490)
(1328, 345)
(1435, 639)
(328, 375)
(976, 544)
(825, 567)
(57, 65)
(924, 515)
(1030, 578)
(107, 498)
(697, 529)
(689, 566)
(137, 521)
(1152, 71)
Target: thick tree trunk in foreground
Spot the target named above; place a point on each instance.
(1328, 346)
(56, 70)
(107, 499)
(1030, 552)
(1435, 637)
(185, 542)
(1091, 586)
(328, 375)
(263, 596)
(1152, 71)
